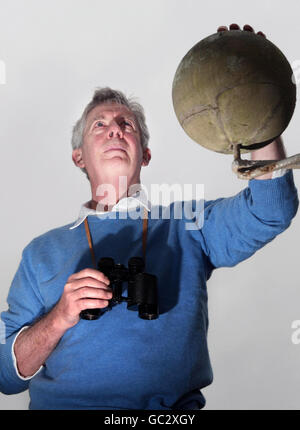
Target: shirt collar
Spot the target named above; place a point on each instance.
(139, 198)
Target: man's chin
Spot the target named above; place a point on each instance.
(117, 161)
(116, 155)
(116, 164)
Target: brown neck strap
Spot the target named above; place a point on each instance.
(89, 237)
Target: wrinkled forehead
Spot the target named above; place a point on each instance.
(110, 110)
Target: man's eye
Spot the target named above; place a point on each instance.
(126, 123)
(99, 124)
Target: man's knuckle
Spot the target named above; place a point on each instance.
(67, 287)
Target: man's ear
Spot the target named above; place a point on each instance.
(146, 157)
(77, 157)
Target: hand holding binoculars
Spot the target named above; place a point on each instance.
(141, 292)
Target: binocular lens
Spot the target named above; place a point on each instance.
(148, 312)
(90, 314)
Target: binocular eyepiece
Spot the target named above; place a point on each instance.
(141, 292)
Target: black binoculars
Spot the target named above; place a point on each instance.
(141, 292)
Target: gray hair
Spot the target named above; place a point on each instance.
(108, 95)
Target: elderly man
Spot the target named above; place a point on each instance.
(120, 361)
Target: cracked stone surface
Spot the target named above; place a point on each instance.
(233, 87)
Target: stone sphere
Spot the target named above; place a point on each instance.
(234, 87)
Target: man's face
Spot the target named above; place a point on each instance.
(111, 143)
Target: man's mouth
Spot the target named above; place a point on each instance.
(115, 147)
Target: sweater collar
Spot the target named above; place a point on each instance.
(138, 199)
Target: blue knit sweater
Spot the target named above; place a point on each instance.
(121, 361)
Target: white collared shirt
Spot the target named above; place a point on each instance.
(139, 198)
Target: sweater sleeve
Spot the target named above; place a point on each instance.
(235, 228)
(25, 305)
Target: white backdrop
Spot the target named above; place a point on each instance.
(55, 54)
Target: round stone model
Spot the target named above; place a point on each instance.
(234, 87)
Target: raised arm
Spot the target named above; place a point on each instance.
(236, 227)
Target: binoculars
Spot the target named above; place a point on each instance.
(141, 292)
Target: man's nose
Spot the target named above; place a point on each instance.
(114, 130)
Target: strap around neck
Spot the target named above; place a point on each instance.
(89, 237)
